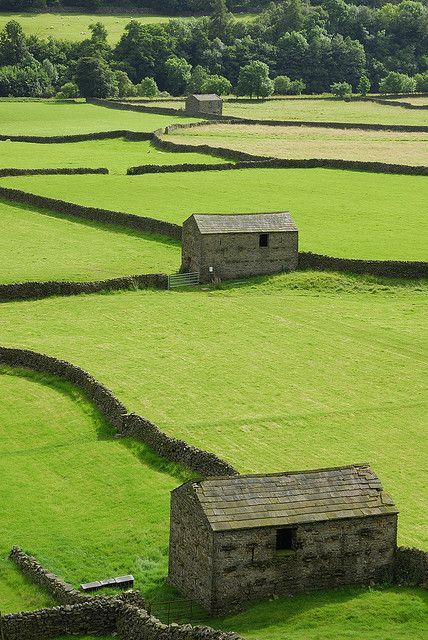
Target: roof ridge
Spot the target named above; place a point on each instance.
(285, 473)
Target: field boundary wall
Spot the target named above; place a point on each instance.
(78, 171)
(126, 424)
(79, 137)
(382, 268)
(36, 290)
(411, 567)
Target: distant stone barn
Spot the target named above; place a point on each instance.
(204, 104)
(227, 247)
(237, 539)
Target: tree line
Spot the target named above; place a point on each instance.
(293, 46)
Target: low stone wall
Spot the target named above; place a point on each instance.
(97, 616)
(126, 424)
(129, 220)
(137, 624)
(123, 106)
(398, 103)
(79, 137)
(51, 172)
(411, 567)
(383, 268)
(37, 290)
(56, 587)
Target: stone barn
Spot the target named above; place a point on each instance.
(226, 247)
(207, 104)
(238, 539)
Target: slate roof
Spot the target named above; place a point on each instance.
(205, 97)
(282, 499)
(245, 223)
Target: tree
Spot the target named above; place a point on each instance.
(341, 89)
(178, 74)
(396, 82)
(254, 80)
(297, 87)
(364, 85)
(13, 49)
(220, 19)
(217, 84)
(421, 80)
(147, 88)
(198, 76)
(68, 90)
(95, 79)
(125, 88)
(281, 85)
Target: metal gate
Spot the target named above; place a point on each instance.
(183, 280)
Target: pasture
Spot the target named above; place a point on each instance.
(39, 246)
(325, 111)
(117, 155)
(75, 26)
(341, 213)
(306, 366)
(311, 142)
(49, 118)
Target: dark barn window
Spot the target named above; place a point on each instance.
(263, 240)
(284, 539)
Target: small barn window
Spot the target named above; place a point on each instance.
(263, 240)
(285, 539)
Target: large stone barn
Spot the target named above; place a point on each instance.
(204, 104)
(242, 538)
(226, 247)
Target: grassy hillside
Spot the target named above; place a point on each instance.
(341, 213)
(312, 142)
(74, 26)
(117, 155)
(55, 119)
(37, 246)
(95, 507)
(294, 372)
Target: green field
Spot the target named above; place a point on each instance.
(75, 26)
(80, 517)
(325, 111)
(38, 246)
(117, 155)
(341, 213)
(306, 366)
(45, 118)
(311, 142)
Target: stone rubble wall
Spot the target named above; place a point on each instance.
(80, 137)
(126, 424)
(382, 268)
(411, 567)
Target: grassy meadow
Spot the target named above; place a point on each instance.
(342, 213)
(306, 366)
(50, 118)
(75, 26)
(80, 517)
(311, 142)
(117, 155)
(39, 246)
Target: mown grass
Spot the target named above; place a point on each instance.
(342, 213)
(117, 155)
(375, 614)
(312, 142)
(86, 505)
(41, 246)
(324, 111)
(291, 372)
(75, 26)
(50, 118)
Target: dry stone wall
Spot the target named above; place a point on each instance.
(126, 424)
(411, 567)
(382, 268)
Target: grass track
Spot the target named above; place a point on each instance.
(341, 213)
(44, 118)
(117, 155)
(37, 246)
(307, 142)
(302, 371)
(94, 506)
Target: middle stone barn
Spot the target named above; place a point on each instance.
(226, 247)
(238, 539)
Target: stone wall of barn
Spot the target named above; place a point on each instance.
(190, 548)
(327, 555)
(236, 255)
